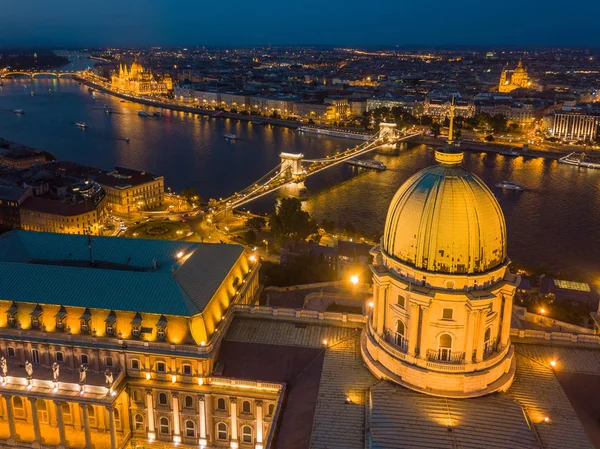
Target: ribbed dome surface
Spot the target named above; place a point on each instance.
(445, 219)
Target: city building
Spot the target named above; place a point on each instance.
(573, 124)
(19, 157)
(11, 199)
(106, 342)
(442, 293)
(439, 108)
(140, 81)
(129, 190)
(514, 79)
(73, 209)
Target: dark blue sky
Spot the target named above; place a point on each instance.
(327, 22)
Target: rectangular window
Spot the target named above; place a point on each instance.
(11, 352)
(59, 356)
(108, 362)
(401, 301)
(161, 367)
(186, 370)
(135, 364)
(84, 359)
(447, 314)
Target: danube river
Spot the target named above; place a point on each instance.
(556, 222)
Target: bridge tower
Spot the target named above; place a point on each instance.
(387, 131)
(293, 162)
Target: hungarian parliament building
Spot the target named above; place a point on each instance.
(138, 80)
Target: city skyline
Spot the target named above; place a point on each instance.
(36, 23)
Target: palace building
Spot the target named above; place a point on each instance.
(140, 81)
(514, 79)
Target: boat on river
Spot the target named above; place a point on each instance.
(509, 185)
(230, 136)
(367, 163)
(142, 113)
(510, 152)
(19, 111)
(578, 160)
(81, 125)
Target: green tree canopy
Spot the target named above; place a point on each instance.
(291, 222)
(191, 195)
(256, 223)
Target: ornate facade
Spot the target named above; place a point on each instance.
(514, 79)
(140, 81)
(116, 347)
(442, 294)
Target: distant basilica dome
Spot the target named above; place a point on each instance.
(446, 220)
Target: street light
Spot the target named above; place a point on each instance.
(266, 242)
(354, 279)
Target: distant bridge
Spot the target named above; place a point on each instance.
(6, 73)
(293, 168)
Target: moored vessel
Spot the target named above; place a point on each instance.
(367, 163)
(578, 160)
(230, 136)
(509, 185)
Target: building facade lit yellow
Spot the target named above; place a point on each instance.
(115, 344)
(140, 81)
(514, 79)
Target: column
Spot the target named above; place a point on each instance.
(471, 317)
(86, 426)
(202, 416)
(150, 410)
(234, 424)
(381, 303)
(506, 318)
(259, 425)
(10, 414)
(209, 417)
(111, 426)
(480, 336)
(36, 423)
(176, 419)
(413, 329)
(423, 342)
(375, 310)
(61, 424)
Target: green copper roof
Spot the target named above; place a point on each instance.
(147, 276)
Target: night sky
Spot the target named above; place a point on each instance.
(80, 23)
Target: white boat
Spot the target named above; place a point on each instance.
(143, 114)
(509, 185)
(578, 160)
(19, 111)
(257, 122)
(32, 94)
(81, 125)
(367, 163)
(230, 136)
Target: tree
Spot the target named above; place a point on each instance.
(328, 225)
(435, 129)
(250, 236)
(489, 138)
(191, 195)
(256, 223)
(290, 221)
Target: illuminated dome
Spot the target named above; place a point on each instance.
(445, 219)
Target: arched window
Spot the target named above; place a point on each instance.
(19, 407)
(91, 415)
(246, 434)
(66, 411)
(188, 402)
(246, 407)
(487, 341)
(138, 422)
(162, 399)
(190, 429)
(117, 416)
(222, 431)
(165, 428)
(42, 411)
(399, 337)
(221, 404)
(445, 348)
(271, 410)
